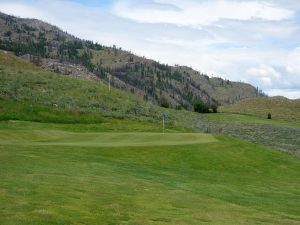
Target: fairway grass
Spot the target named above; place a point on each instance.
(175, 178)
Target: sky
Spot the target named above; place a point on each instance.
(247, 40)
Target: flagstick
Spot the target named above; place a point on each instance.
(109, 82)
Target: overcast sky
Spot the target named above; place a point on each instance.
(252, 41)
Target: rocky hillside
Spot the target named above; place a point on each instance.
(179, 86)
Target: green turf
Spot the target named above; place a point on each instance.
(50, 137)
(218, 180)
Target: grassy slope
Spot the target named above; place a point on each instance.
(252, 119)
(28, 93)
(283, 109)
(227, 181)
(24, 82)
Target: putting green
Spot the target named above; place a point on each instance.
(100, 139)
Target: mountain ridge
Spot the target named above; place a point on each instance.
(56, 50)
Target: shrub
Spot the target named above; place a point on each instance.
(178, 107)
(163, 101)
(214, 108)
(201, 107)
(269, 116)
(8, 34)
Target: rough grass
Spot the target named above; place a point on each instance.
(280, 108)
(252, 119)
(22, 81)
(227, 181)
(28, 111)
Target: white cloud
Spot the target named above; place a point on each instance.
(264, 71)
(266, 81)
(199, 13)
(21, 10)
(289, 93)
(202, 41)
(293, 62)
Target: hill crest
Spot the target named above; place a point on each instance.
(53, 49)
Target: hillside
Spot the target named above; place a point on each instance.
(28, 92)
(51, 48)
(280, 108)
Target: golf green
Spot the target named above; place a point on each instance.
(100, 139)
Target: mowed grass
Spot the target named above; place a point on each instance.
(217, 180)
(51, 137)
